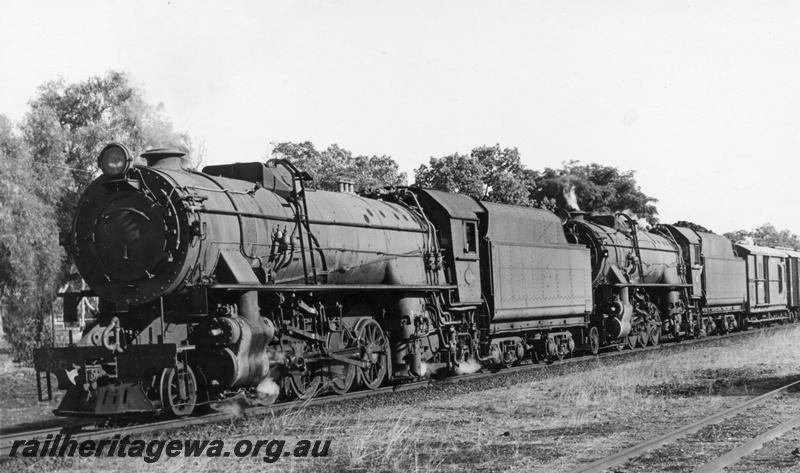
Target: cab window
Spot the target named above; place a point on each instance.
(471, 237)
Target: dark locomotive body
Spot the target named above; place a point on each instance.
(242, 281)
(639, 281)
(738, 286)
(716, 275)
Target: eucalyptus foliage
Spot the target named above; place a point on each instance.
(766, 235)
(44, 169)
(328, 167)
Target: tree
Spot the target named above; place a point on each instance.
(369, 173)
(30, 257)
(457, 173)
(488, 173)
(69, 124)
(694, 226)
(44, 171)
(597, 189)
(739, 236)
(766, 235)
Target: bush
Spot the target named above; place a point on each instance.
(24, 334)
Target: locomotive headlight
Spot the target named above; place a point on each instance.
(114, 160)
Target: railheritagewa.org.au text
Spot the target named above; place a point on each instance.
(152, 451)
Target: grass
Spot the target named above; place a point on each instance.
(564, 417)
(18, 396)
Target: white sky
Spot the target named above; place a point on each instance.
(702, 99)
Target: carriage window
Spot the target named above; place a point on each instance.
(780, 278)
(471, 240)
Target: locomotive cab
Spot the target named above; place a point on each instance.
(457, 216)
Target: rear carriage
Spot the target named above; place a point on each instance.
(768, 290)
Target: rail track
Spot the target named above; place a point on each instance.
(81, 431)
(719, 463)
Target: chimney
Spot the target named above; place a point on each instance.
(164, 158)
(577, 216)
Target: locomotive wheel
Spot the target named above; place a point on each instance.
(594, 341)
(633, 336)
(711, 327)
(335, 376)
(676, 334)
(338, 378)
(304, 384)
(643, 334)
(178, 391)
(655, 334)
(375, 351)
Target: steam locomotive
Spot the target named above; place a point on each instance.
(241, 280)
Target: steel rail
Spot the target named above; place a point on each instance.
(93, 432)
(745, 449)
(97, 433)
(621, 457)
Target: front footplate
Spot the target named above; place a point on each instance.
(100, 382)
(125, 398)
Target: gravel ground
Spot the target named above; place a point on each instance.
(713, 441)
(781, 454)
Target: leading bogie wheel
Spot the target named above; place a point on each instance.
(178, 391)
(374, 351)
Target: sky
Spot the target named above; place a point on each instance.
(700, 98)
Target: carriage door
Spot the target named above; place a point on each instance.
(752, 281)
(792, 281)
(763, 283)
(776, 286)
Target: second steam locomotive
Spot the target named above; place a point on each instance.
(241, 280)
